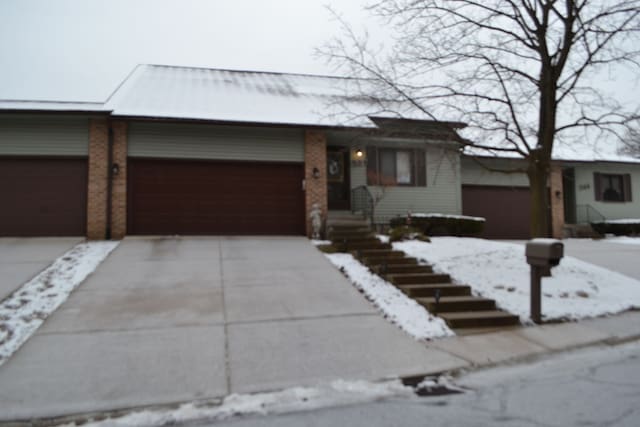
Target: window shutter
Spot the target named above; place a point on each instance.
(626, 186)
(421, 168)
(597, 186)
(372, 165)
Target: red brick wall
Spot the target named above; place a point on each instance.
(315, 156)
(119, 183)
(97, 179)
(557, 202)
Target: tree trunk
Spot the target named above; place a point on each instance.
(540, 157)
(538, 173)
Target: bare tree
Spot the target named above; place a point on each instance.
(518, 72)
(631, 144)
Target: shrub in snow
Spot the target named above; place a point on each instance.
(619, 227)
(442, 225)
(405, 232)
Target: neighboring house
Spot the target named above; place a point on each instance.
(179, 150)
(599, 190)
(580, 192)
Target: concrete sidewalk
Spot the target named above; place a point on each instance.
(167, 320)
(489, 349)
(21, 259)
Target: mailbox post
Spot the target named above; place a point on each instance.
(542, 254)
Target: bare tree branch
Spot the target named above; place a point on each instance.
(516, 71)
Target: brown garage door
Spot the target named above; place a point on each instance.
(43, 197)
(506, 209)
(207, 197)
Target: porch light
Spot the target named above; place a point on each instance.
(359, 153)
(315, 173)
(115, 169)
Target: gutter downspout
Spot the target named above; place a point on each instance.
(110, 174)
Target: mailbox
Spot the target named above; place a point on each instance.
(542, 254)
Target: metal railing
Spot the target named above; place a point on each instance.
(362, 202)
(586, 214)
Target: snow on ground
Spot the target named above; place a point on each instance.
(395, 305)
(320, 242)
(22, 312)
(437, 215)
(337, 393)
(499, 270)
(620, 221)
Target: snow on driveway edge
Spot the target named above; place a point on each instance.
(22, 312)
(410, 316)
(296, 399)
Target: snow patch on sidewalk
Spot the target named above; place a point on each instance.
(22, 312)
(337, 393)
(395, 305)
(499, 270)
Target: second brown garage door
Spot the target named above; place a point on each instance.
(213, 197)
(506, 209)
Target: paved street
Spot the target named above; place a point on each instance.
(592, 387)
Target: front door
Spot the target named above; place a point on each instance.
(338, 179)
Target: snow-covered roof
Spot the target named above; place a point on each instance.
(172, 92)
(232, 96)
(568, 153)
(591, 153)
(62, 106)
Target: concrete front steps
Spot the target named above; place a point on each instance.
(453, 303)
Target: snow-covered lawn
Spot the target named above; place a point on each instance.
(22, 312)
(620, 221)
(499, 270)
(395, 305)
(337, 393)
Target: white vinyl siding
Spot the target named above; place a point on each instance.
(441, 195)
(195, 141)
(40, 135)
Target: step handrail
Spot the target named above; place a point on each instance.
(586, 214)
(362, 201)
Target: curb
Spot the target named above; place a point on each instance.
(624, 331)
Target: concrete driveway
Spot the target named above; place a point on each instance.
(21, 258)
(166, 320)
(620, 257)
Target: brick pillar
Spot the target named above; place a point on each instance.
(315, 156)
(557, 202)
(97, 179)
(119, 181)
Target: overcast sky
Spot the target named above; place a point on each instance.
(81, 49)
